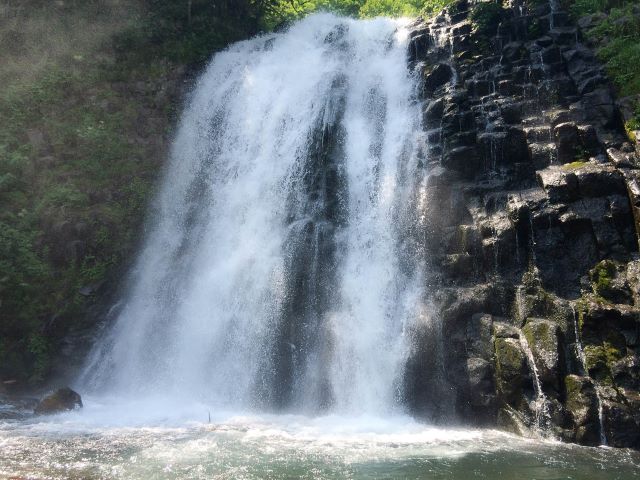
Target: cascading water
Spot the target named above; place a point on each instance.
(285, 269)
(540, 405)
(583, 366)
(278, 274)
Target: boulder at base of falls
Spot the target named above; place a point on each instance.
(582, 405)
(510, 370)
(62, 400)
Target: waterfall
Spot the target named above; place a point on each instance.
(540, 405)
(578, 345)
(277, 273)
(583, 365)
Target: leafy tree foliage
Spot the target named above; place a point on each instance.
(486, 17)
(392, 8)
(280, 12)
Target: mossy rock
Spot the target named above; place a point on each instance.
(608, 279)
(574, 165)
(543, 338)
(510, 369)
(535, 301)
(600, 322)
(600, 358)
(581, 397)
(486, 18)
(504, 330)
(631, 129)
(582, 405)
(62, 400)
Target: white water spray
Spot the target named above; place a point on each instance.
(540, 405)
(274, 274)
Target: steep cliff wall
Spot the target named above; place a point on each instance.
(532, 207)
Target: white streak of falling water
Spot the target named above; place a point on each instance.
(206, 295)
(578, 345)
(583, 365)
(540, 405)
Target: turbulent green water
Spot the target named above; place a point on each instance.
(75, 446)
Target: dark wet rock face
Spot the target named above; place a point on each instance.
(62, 400)
(582, 406)
(533, 207)
(437, 77)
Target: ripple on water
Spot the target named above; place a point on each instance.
(252, 447)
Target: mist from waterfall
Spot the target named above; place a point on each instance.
(282, 269)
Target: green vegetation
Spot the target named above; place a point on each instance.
(586, 7)
(188, 31)
(88, 97)
(632, 125)
(602, 277)
(617, 37)
(486, 17)
(77, 161)
(282, 12)
(374, 8)
(600, 358)
(574, 165)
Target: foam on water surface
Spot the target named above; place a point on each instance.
(81, 445)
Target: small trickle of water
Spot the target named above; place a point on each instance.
(578, 342)
(583, 365)
(541, 403)
(603, 432)
(532, 240)
(521, 304)
(554, 6)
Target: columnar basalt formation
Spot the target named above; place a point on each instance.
(532, 203)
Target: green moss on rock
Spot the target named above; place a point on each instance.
(602, 276)
(609, 282)
(581, 403)
(542, 337)
(510, 363)
(574, 165)
(600, 358)
(539, 334)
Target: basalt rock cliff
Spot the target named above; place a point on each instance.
(533, 202)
